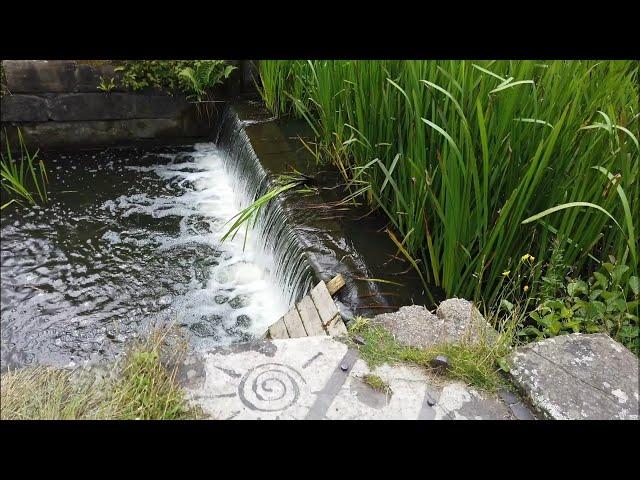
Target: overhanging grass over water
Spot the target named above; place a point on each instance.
(458, 154)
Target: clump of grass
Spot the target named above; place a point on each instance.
(477, 364)
(46, 393)
(146, 389)
(375, 382)
(20, 176)
(142, 386)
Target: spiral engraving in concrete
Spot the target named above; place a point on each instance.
(270, 387)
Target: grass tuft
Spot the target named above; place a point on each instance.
(477, 364)
(142, 386)
(377, 383)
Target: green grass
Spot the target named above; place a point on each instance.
(141, 387)
(21, 176)
(477, 364)
(282, 183)
(377, 383)
(477, 163)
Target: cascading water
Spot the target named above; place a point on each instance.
(132, 239)
(277, 239)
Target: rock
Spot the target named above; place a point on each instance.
(243, 321)
(457, 321)
(464, 319)
(578, 376)
(220, 299)
(359, 340)
(521, 412)
(203, 329)
(213, 319)
(440, 362)
(239, 302)
(507, 397)
(183, 157)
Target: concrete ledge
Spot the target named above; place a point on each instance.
(56, 76)
(578, 377)
(96, 133)
(27, 76)
(74, 107)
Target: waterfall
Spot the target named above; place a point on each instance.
(277, 238)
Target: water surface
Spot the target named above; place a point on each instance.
(131, 239)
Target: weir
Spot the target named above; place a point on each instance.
(278, 240)
(311, 237)
(131, 238)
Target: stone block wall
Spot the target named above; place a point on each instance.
(57, 104)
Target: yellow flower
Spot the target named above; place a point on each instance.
(526, 257)
(526, 288)
(506, 273)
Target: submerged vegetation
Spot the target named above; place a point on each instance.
(21, 175)
(142, 387)
(476, 164)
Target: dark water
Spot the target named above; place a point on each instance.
(130, 239)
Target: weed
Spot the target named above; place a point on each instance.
(377, 383)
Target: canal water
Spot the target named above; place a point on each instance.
(131, 239)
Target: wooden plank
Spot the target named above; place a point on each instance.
(324, 303)
(294, 324)
(278, 330)
(335, 284)
(336, 327)
(310, 317)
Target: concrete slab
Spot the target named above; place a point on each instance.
(578, 377)
(321, 378)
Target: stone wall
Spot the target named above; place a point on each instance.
(57, 104)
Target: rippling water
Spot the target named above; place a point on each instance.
(130, 239)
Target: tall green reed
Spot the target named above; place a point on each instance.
(460, 154)
(20, 176)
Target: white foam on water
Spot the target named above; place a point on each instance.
(244, 269)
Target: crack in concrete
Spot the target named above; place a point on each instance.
(568, 372)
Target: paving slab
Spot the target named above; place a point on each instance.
(321, 378)
(578, 377)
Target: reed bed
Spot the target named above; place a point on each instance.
(477, 163)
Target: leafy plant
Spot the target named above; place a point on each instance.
(19, 176)
(606, 302)
(192, 77)
(283, 183)
(105, 86)
(203, 75)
